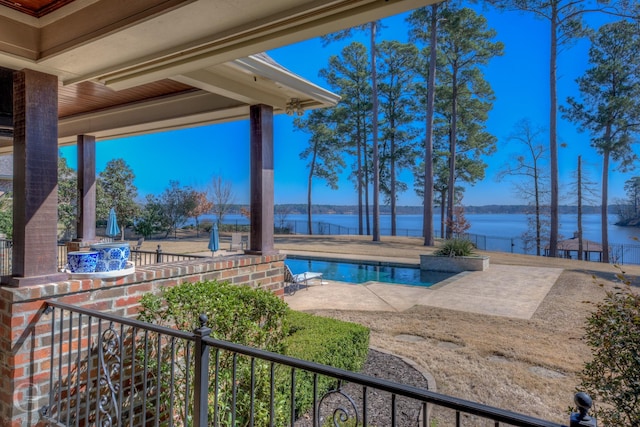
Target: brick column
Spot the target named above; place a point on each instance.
(86, 188)
(35, 185)
(6, 101)
(261, 121)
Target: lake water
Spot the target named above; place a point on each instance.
(491, 232)
(504, 226)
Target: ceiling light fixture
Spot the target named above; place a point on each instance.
(294, 106)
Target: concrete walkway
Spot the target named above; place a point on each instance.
(502, 290)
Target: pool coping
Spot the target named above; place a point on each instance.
(363, 261)
(503, 290)
(400, 264)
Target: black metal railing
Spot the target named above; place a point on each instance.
(140, 258)
(109, 370)
(619, 253)
(6, 254)
(62, 255)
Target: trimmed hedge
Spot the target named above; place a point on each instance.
(255, 318)
(239, 314)
(327, 341)
(331, 342)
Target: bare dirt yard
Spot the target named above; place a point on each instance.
(528, 366)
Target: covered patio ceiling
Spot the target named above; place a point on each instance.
(133, 67)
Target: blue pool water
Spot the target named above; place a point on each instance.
(362, 272)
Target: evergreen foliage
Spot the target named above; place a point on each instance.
(250, 317)
(323, 152)
(608, 109)
(67, 198)
(612, 377)
(237, 314)
(456, 247)
(6, 215)
(117, 190)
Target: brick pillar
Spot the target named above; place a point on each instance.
(35, 185)
(261, 121)
(6, 101)
(86, 188)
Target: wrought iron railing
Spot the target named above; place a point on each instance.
(619, 253)
(6, 254)
(140, 258)
(109, 370)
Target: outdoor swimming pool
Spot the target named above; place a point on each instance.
(366, 271)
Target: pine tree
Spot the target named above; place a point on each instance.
(609, 109)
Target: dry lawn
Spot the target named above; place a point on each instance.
(527, 366)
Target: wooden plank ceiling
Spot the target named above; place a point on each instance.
(86, 97)
(37, 8)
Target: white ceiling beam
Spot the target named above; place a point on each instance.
(187, 110)
(255, 64)
(297, 28)
(240, 89)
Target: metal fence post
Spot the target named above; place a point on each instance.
(201, 376)
(159, 255)
(581, 418)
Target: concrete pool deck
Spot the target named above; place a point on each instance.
(502, 290)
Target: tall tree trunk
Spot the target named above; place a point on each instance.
(427, 212)
(580, 243)
(443, 201)
(359, 178)
(309, 182)
(376, 159)
(538, 224)
(605, 200)
(366, 191)
(452, 154)
(553, 131)
(392, 186)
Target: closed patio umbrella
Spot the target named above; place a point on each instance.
(214, 243)
(112, 224)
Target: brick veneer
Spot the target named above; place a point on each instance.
(25, 329)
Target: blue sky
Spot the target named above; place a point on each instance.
(519, 79)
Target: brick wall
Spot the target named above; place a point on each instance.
(25, 329)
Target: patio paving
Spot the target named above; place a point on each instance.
(502, 290)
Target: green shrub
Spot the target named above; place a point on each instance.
(456, 247)
(254, 318)
(239, 314)
(612, 377)
(330, 342)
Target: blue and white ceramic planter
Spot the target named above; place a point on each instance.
(111, 256)
(82, 262)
